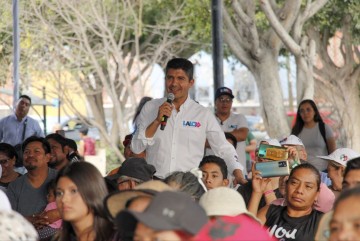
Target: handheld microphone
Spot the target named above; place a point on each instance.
(169, 100)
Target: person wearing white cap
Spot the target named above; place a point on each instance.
(224, 201)
(293, 140)
(351, 180)
(336, 166)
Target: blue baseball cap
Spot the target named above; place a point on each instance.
(223, 91)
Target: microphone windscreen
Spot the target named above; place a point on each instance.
(171, 97)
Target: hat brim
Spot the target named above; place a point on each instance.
(113, 177)
(116, 202)
(327, 158)
(224, 93)
(154, 221)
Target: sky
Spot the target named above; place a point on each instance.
(204, 74)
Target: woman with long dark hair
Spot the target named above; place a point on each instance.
(80, 191)
(317, 136)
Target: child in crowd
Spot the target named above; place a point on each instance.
(48, 231)
(215, 173)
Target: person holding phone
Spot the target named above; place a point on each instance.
(298, 220)
(272, 190)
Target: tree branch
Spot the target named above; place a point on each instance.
(279, 28)
(239, 52)
(311, 8)
(228, 24)
(249, 22)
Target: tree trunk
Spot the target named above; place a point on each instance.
(345, 98)
(271, 98)
(96, 103)
(350, 117)
(305, 80)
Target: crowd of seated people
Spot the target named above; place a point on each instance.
(132, 204)
(298, 188)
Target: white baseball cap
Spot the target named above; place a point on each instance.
(341, 156)
(272, 142)
(292, 140)
(224, 201)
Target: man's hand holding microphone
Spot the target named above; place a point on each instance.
(165, 111)
(163, 114)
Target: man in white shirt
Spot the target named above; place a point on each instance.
(180, 146)
(231, 122)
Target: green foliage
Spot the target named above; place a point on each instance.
(198, 21)
(112, 161)
(5, 40)
(331, 17)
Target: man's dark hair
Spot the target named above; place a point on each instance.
(44, 142)
(353, 164)
(26, 97)
(71, 143)
(187, 183)
(180, 63)
(217, 161)
(230, 136)
(58, 138)
(84, 130)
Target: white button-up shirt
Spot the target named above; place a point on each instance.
(180, 147)
(235, 121)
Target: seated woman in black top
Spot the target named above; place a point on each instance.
(298, 220)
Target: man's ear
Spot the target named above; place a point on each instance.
(192, 82)
(48, 157)
(66, 150)
(226, 182)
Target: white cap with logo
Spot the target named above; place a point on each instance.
(341, 156)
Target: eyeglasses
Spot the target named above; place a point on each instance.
(5, 162)
(225, 100)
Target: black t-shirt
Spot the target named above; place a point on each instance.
(287, 228)
(246, 190)
(6, 184)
